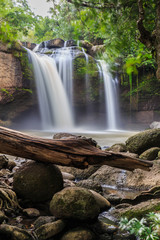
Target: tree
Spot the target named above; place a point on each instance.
(15, 17)
(146, 13)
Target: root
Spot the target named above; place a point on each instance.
(8, 198)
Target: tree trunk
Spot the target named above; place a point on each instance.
(67, 152)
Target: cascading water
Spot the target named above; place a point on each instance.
(56, 86)
(53, 102)
(110, 96)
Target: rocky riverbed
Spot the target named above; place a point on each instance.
(47, 202)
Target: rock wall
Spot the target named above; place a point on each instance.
(15, 82)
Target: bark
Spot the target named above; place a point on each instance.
(67, 152)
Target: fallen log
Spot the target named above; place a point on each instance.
(67, 152)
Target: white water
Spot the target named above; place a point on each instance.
(53, 102)
(110, 96)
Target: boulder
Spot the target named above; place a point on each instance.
(143, 141)
(55, 43)
(68, 176)
(150, 154)
(79, 234)
(74, 203)
(37, 182)
(118, 147)
(71, 43)
(49, 230)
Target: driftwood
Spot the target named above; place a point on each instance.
(67, 152)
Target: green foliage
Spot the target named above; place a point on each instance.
(15, 17)
(146, 228)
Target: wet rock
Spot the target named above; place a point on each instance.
(62, 135)
(143, 141)
(75, 203)
(3, 217)
(49, 230)
(124, 236)
(3, 161)
(118, 147)
(90, 184)
(79, 234)
(55, 43)
(68, 183)
(5, 173)
(102, 202)
(105, 236)
(97, 49)
(68, 176)
(101, 227)
(43, 220)
(37, 182)
(31, 212)
(150, 154)
(8, 232)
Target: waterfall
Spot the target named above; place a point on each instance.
(110, 96)
(58, 92)
(52, 98)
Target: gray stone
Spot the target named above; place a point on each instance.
(55, 43)
(118, 147)
(75, 203)
(37, 182)
(68, 176)
(90, 184)
(102, 202)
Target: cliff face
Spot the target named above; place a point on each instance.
(15, 83)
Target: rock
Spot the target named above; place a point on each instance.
(3, 161)
(68, 176)
(2, 217)
(143, 141)
(150, 154)
(62, 135)
(68, 183)
(90, 184)
(79, 234)
(11, 165)
(138, 210)
(75, 203)
(49, 230)
(97, 49)
(154, 125)
(31, 212)
(4, 173)
(80, 173)
(8, 232)
(86, 44)
(102, 202)
(37, 182)
(101, 227)
(55, 43)
(71, 43)
(43, 220)
(118, 147)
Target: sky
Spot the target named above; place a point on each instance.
(40, 7)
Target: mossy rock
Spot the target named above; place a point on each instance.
(79, 234)
(150, 154)
(37, 182)
(74, 203)
(118, 147)
(143, 141)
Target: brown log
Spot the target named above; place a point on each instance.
(67, 152)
